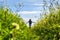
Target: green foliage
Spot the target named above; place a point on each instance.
(48, 27)
(12, 27)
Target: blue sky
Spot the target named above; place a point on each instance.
(30, 9)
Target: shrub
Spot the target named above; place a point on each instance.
(12, 27)
(48, 28)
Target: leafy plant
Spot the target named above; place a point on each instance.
(48, 28)
(12, 27)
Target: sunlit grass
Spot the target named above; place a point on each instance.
(12, 27)
(48, 27)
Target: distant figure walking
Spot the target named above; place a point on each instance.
(30, 23)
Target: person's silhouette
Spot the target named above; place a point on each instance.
(30, 23)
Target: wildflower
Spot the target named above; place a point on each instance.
(15, 25)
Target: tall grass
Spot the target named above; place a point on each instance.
(12, 27)
(48, 28)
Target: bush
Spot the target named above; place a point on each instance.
(48, 28)
(12, 27)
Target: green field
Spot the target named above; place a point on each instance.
(12, 27)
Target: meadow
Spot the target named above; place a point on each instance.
(12, 27)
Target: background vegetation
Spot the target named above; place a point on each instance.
(48, 28)
(12, 26)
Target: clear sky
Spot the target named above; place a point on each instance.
(30, 9)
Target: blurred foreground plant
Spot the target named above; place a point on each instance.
(12, 27)
(48, 28)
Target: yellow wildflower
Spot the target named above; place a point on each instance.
(15, 25)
